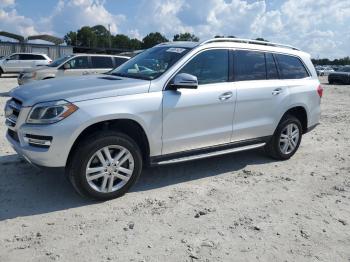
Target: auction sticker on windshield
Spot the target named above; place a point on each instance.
(176, 50)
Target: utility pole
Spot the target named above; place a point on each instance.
(109, 29)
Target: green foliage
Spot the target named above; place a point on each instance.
(99, 37)
(71, 38)
(153, 39)
(186, 37)
(262, 39)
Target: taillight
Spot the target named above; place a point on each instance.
(320, 91)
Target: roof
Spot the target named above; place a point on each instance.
(48, 38)
(11, 35)
(237, 43)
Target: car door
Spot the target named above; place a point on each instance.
(101, 64)
(261, 95)
(202, 117)
(26, 61)
(76, 66)
(11, 63)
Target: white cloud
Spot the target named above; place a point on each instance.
(12, 22)
(6, 3)
(77, 13)
(319, 27)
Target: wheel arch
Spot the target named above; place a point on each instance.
(127, 126)
(300, 112)
(48, 77)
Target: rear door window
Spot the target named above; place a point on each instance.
(101, 62)
(249, 65)
(271, 67)
(291, 67)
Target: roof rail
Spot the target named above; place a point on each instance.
(248, 41)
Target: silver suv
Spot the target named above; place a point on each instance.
(73, 65)
(172, 103)
(18, 62)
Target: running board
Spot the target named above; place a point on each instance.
(211, 154)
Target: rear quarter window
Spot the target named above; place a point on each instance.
(119, 61)
(291, 67)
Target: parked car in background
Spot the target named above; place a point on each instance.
(340, 77)
(172, 103)
(324, 70)
(18, 62)
(73, 65)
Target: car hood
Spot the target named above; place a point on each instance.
(75, 89)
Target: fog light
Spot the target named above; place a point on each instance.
(40, 141)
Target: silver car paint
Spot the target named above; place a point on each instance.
(48, 72)
(172, 120)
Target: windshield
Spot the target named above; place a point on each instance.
(150, 64)
(345, 69)
(59, 61)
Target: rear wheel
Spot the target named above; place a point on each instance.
(286, 139)
(1, 72)
(105, 165)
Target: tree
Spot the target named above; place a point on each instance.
(153, 39)
(135, 44)
(86, 37)
(262, 39)
(186, 37)
(102, 36)
(121, 41)
(71, 38)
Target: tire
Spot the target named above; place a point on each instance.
(275, 147)
(1, 72)
(86, 156)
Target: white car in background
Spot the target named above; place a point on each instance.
(324, 70)
(73, 65)
(18, 62)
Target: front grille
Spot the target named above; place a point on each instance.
(12, 111)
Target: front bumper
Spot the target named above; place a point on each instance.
(59, 138)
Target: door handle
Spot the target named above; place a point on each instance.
(277, 91)
(85, 73)
(225, 96)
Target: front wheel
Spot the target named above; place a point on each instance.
(286, 139)
(105, 165)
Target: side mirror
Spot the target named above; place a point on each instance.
(66, 66)
(184, 80)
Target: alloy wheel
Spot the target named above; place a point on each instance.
(109, 169)
(289, 138)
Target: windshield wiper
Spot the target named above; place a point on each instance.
(131, 76)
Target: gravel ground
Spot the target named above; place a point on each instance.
(240, 207)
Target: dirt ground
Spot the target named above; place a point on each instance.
(239, 207)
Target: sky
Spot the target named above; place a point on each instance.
(320, 27)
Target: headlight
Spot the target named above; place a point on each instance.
(29, 75)
(51, 112)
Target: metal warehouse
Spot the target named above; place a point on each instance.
(54, 50)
